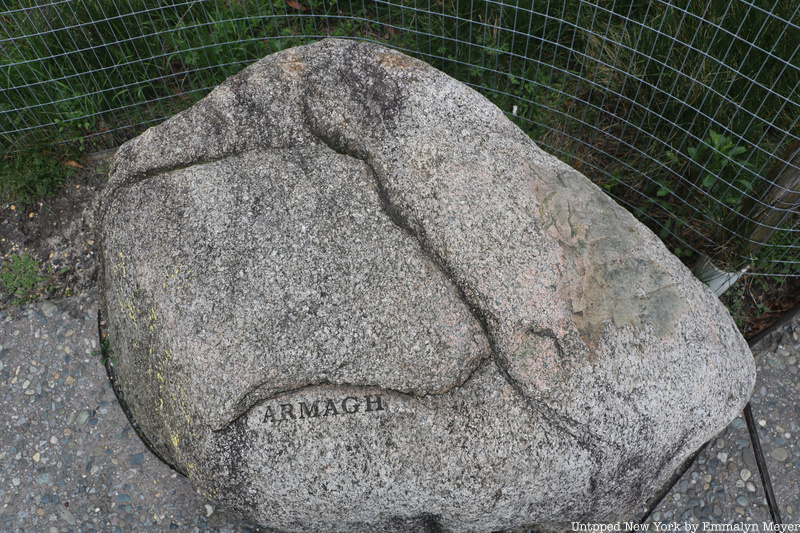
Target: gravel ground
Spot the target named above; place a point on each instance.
(776, 409)
(70, 462)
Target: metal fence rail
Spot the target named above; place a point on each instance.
(687, 112)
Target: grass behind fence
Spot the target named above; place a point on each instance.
(676, 108)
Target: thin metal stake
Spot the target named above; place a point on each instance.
(762, 466)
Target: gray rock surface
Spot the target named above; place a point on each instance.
(347, 294)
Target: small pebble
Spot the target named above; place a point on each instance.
(68, 517)
(745, 474)
(780, 454)
(48, 309)
(749, 458)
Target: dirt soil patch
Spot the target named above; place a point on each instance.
(58, 234)
(757, 302)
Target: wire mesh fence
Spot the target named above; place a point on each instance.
(687, 112)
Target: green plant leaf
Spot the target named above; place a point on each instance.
(738, 150)
(19, 276)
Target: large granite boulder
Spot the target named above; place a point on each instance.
(345, 293)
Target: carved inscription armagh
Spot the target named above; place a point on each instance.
(301, 410)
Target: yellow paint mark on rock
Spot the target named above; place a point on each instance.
(122, 265)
